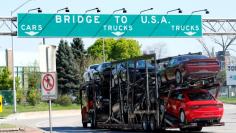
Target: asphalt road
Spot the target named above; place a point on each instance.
(72, 124)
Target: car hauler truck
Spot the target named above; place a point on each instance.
(126, 95)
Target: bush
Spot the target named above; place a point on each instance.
(33, 96)
(20, 96)
(77, 99)
(64, 100)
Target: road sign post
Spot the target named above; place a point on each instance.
(108, 25)
(49, 88)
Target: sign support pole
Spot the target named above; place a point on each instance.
(50, 102)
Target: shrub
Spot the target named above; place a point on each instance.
(64, 100)
(33, 96)
(20, 96)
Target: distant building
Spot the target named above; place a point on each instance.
(49, 50)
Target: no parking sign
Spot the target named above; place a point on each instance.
(49, 86)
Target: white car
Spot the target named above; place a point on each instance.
(88, 74)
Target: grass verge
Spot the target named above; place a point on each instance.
(3, 126)
(7, 110)
(228, 100)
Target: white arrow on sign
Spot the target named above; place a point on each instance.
(118, 33)
(32, 33)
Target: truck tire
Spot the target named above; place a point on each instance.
(145, 123)
(196, 129)
(93, 121)
(152, 123)
(85, 124)
(191, 129)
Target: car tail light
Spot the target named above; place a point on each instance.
(219, 105)
(195, 107)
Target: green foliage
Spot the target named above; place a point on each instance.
(64, 100)
(67, 69)
(20, 97)
(115, 49)
(96, 50)
(33, 96)
(125, 48)
(6, 81)
(221, 76)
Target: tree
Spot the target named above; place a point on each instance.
(66, 68)
(115, 49)
(79, 53)
(125, 48)
(96, 50)
(6, 81)
(77, 48)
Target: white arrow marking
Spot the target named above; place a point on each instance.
(31, 33)
(190, 33)
(118, 33)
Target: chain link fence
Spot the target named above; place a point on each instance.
(228, 91)
(7, 97)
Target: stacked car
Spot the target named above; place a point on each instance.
(190, 68)
(149, 94)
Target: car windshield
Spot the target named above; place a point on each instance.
(140, 64)
(200, 96)
(191, 57)
(105, 65)
(94, 67)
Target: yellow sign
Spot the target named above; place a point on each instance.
(0, 103)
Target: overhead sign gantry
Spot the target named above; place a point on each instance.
(106, 25)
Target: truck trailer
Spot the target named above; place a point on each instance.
(126, 95)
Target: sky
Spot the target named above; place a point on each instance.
(26, 49)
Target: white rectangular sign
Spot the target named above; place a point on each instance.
(231, 75)
(49, 85)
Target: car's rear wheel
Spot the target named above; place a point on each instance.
(178, 77)
(182, 118)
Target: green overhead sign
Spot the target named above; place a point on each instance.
(106, 25)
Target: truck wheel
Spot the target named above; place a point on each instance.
(152, 123)
(178, 77)
(85, 124)
(145, 123)
(93, 121)
(196, 129)
(191, 129)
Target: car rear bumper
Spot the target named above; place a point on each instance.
(201, 124)
(199, 75)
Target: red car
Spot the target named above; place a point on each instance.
(194, 106)
(188, 68)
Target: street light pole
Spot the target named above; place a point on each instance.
(178, 9)
(203, 10)
(12, 46)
